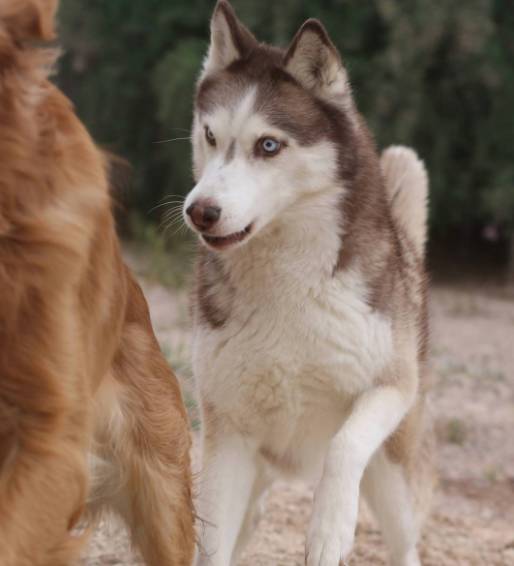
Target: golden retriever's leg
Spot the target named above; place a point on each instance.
(155, 502)
(143, 473)
(145, 442)
(42, 479)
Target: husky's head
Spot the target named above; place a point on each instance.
(272, 130)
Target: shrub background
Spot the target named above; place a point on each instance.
(434, 74)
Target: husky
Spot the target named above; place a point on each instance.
(310, 308)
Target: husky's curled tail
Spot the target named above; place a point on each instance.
(407, 189)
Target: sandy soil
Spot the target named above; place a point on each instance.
(473, 401)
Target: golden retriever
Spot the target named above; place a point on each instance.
(82, 378)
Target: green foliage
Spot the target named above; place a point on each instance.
(435, 74)
(173, 81)
(159, 258)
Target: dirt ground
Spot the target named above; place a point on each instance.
(472, 522)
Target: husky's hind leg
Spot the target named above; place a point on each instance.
(398, 488)
(386, 490)
(261, 484)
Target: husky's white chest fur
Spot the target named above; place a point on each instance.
(298, 342)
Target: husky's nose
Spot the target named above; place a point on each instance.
(203, 215)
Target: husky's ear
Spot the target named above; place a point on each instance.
(313, 60)
(29, 19)
(230, 39)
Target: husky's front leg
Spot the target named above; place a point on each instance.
(226, 481)
(375, 415)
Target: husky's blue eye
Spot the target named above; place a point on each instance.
(209, 136)
(269, 146)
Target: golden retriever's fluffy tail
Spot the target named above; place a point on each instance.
(406, 182)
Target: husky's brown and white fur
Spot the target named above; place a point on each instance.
(310, 327)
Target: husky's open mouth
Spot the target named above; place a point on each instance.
(220, 242)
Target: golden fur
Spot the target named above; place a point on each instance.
(80, 368)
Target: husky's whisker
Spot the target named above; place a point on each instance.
(173, 196)
(171, 218)
(171, 221)
(165, 204)
(172, 140)
(173, 212)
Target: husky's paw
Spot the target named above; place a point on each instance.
(328, 542)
